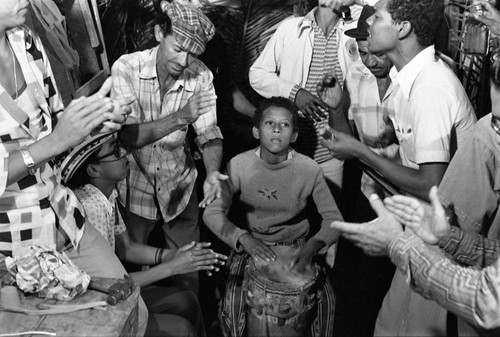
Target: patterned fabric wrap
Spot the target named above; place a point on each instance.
(233, 309)
(192, 29)
(48, 273)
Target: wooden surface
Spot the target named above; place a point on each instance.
(119, 320)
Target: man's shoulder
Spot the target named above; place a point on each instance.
(135, 59)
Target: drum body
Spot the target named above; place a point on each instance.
(279, 302)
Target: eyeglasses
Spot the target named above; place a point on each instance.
(118, 151)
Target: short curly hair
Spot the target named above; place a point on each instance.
(425, 17)
(279, 102)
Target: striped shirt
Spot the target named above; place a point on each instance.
(166, 171)
(324, 61)
(471, 294)
(38, 207)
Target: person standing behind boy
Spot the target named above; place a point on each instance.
(273, 183)
(296, 58)
(92, 171)
(433, 116)
(370, 87)
(173, 90)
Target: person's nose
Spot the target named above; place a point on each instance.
(371, 61)
(277, 128)
(369, 21)
(183, 59)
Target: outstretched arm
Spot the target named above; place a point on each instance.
(416, 182)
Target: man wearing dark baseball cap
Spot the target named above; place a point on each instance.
(172, 90)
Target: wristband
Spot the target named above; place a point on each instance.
(28, 160)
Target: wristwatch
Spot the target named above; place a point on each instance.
(28, 159)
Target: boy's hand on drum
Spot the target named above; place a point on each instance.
(256, 248)
(304, 256)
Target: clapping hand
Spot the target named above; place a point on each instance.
(426, 221)
(194, 257)
(199, 104)
(212, 188)
(374, 236)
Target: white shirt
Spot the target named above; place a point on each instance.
(432, 110)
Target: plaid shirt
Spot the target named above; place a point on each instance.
(36, 207)
(168, 164)
(469, 293)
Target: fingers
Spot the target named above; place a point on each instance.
(436, 204)
(197, 88)
(377, 205)
(264, 252)
(187, 247)
(346, 227)
(105, 88)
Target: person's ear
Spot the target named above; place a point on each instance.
(255, 133)
(404, 30)
(158, 33)
(294, 137)
(93, 171)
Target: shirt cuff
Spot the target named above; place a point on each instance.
(449, 243)
(293, 93)
(210, 134)
(399, 247)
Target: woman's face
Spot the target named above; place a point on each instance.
(12, 13)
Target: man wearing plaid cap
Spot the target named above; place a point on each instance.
(173, 90)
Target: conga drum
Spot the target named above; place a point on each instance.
(280, 302)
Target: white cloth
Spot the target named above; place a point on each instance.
(432, 110)
(285, 60)
(432, 116)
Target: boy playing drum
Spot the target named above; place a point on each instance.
(273, 184)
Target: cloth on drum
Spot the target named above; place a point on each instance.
(232, 309)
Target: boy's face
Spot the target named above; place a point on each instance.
(113, 162)
(276, 132)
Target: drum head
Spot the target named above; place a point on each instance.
(279, 271)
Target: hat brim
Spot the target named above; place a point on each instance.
(80, 153)
(355, 33)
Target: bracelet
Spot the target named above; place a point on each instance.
(159, 255)
(28, 159)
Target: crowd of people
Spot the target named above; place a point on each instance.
(93, 179)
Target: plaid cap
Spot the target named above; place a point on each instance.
(192, 29)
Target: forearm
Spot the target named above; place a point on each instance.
(212, 155)
(470, 249)
(137, 135)
(471, 294)
(41, 151)
(412, 181)
(339, 122)
(152, 275)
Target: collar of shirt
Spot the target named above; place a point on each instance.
(108, 204)
(407, 75)
(309, 20)
(148, 72)
(291, 153)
